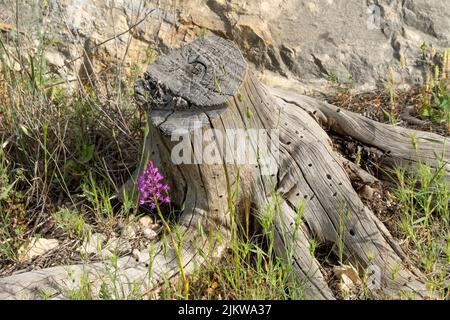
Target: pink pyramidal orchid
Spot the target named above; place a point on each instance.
(150, 186)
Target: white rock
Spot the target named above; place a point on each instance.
(118, 245)
(346, 285)
(55, 58)
(348, 271)
(128, 232)
(136, 254)
(146, 221)
(36, 247)
(93, 244)
(149, 233)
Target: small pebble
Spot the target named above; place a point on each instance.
(128, 232)
(136, 254)
(367, 192)
(146, 221)
(118, 245)
(149, 233)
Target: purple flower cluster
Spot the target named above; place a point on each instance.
(149, 186)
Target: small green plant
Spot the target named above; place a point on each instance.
(358, 156)
(435, 92)
(70, 222)
(424, 205)
(342, 229)
(392, 114)
(84, 290)
(342, 87)
(204, 32)
(313, 244)
(137, 68)
(99, 196)
(332, 77)
(12, 210)
(424, 48)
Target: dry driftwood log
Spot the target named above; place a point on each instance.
(207, 85)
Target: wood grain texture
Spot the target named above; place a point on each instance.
(334, 210)
(206, 72)
(401, 146)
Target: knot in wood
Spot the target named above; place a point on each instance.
(202, 75)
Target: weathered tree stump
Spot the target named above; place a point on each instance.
(207, 85)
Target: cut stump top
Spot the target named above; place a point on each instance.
(205, 72)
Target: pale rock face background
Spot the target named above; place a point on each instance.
(290, 43)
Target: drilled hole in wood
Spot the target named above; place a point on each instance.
(328, 176)
(352, 232)
(309, 164)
